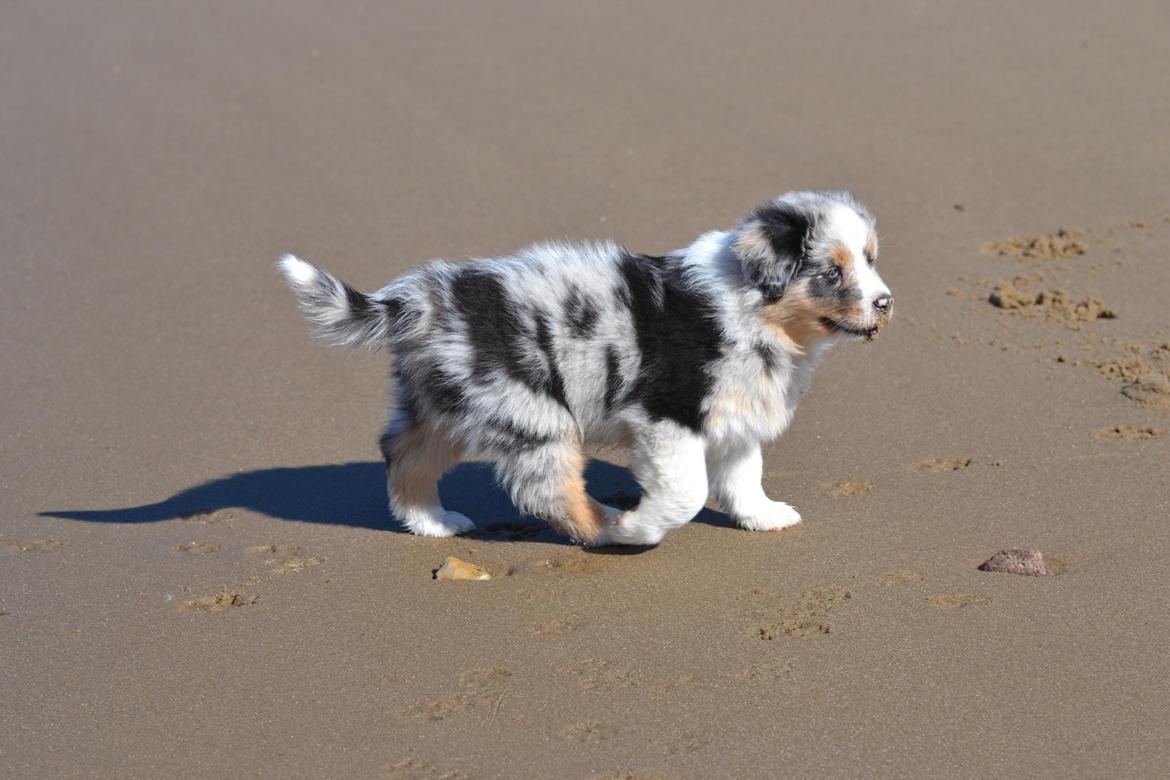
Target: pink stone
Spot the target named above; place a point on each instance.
(1029, 563)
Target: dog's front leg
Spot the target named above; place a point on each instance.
(669, 464)
(736, 470)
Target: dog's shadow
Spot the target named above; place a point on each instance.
(354, 494)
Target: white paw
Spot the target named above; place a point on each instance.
(771, 516)
(436, 522)
(626, 528)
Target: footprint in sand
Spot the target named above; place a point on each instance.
(900, 577)
(194, 548)
(684, 683)
(1150, 390)
(683, 742)
(957, 600)
(418, 769)
(596, 674)
(589, 732)
(807, 616)
(285, 558)
(40, 546)
(846, 487)
(1127, 433)
(480, 689)
(941, 465)
(555, 626)
(208, 517)
(568, 565)
(774, 669)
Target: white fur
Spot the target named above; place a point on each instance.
(669, 465)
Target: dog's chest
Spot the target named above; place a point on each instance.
(755, 398)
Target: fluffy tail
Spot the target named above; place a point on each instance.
(337, 313)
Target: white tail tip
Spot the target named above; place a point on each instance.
(297, 270)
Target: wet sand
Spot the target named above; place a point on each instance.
(197, 574)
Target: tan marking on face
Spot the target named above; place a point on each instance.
(796, 318)
(871, 246)
(418, 457)
(841, 257)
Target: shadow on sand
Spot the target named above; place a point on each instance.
(354, 494)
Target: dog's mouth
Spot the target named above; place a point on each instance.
(834, 326)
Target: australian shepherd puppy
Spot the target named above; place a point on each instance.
(691, 360)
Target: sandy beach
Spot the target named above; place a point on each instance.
(198, 574)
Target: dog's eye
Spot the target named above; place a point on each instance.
(833, 274)
(872, 260)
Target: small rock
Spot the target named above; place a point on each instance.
(1029, 563)
(455, 569)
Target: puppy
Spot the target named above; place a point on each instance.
(692, 360)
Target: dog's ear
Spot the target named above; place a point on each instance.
(771, 246)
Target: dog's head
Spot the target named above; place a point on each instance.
(811, 256)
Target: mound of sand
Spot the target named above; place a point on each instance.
(1014, 296)
(1061, 244)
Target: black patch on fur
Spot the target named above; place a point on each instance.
(544, 338)
(444, 392)
(786, 229)
(678, 334)
(499, 336)
(582, 314)
(613, 377)
(513, 436)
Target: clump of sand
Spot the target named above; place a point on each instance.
(1057, 304)
(1127, 432)
(1062, 244)
(941, 465)
(217, 602)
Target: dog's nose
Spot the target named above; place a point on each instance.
(883, 303)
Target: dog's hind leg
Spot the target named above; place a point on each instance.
(548, 480)
(417, 454)
(668, 462)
